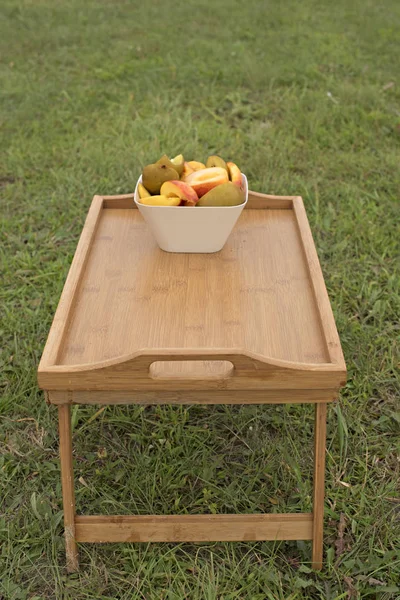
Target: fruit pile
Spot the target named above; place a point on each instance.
(178, 183)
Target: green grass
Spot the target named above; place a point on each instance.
(305, 97)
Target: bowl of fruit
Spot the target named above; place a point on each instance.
(191, 206)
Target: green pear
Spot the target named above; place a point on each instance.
(155, 175)
(164, 160)
(226, 194)
(216, 161)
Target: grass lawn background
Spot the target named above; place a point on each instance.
(304, 96)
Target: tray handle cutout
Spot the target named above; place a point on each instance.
(191, 369)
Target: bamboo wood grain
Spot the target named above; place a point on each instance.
(191, 397)
(193, 528)
(67, 480)
(319, 484)
(127, 375)
(68, 296)
(255, 201)
(126, 303)
(327, 320)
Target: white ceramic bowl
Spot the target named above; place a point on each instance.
(186, 229)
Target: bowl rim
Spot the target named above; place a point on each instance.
(150, 206)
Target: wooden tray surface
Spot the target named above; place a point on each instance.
(260, 304)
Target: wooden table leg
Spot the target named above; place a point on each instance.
(319, 484)
(67, 480)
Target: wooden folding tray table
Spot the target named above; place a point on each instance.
(251, 324)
